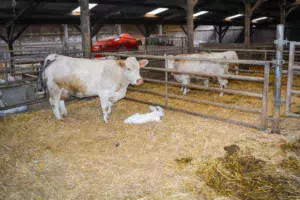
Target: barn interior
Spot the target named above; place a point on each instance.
(242, 145)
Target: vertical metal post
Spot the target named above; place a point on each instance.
(290, 79)
(264, 111)
(278, 76)
(166, 84)
(265, 56)
(85, 28)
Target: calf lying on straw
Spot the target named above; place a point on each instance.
(154, 116)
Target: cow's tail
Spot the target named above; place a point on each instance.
(42, 79)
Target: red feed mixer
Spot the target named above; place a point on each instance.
(123, 42)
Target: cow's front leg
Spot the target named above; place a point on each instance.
(63, 109)
(110, 104)
(106, 107)
(223, 84)
(206, 83)
(186, 81)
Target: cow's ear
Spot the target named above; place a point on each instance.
(143, 63)
(121, 63)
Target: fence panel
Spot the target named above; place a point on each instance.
(168, 95)
(292, 89)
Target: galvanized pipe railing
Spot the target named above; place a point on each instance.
(264, 96)
(291, 72)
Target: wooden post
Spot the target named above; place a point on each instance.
(66, 37)
(119, 29)
(220, 34)
(190, 25)
(248, 14)
(160, 29)
(85, 28)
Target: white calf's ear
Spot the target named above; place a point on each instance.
(143, 63)
(121, 63)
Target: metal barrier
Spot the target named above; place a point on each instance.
(263, 96)
(19, 77)
(293, 67)
(19, 85)
(260, 54)
(153, 43)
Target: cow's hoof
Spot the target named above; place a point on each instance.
(64, 114)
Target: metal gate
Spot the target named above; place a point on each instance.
(291, 88)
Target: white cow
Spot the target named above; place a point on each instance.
(231, 55)
(107, 79)
(198, 67)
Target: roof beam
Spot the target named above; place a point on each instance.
(19, 33)
(31, 4)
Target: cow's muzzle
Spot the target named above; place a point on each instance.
(139, 82)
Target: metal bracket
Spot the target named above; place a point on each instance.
(281, 42)
(275, 62)
(279, 102)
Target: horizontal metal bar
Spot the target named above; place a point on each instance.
(25, 103)
(250, 62)
(228, 91)
(296, 67)
(31, 80)
(197, 100)
(200, 114)
(245, 50)
(234, 77)
(297, 92)
(292, 115)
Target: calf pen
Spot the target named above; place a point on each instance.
(167, 94)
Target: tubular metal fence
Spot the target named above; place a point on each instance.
(291, 90)
(167, 95)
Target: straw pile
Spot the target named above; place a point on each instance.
(183, 157)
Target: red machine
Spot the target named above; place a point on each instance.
(123, 42)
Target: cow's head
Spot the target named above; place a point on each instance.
(170, 62)
(132, 69)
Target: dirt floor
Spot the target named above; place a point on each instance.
(81, 157)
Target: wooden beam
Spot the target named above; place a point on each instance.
(248, 14)
(282, 4)
(173, 16)
(141, 30)
(3, 38)
(223, 32)
(291, 10)
(99, 23)
(85, 28)
(65, 37)
(257, 5)
(77, 27)
(184, 29)
(190, 24)
(31, 4)
(24, 27)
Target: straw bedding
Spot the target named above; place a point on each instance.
(182, 157)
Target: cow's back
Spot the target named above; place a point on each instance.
(83, 75)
